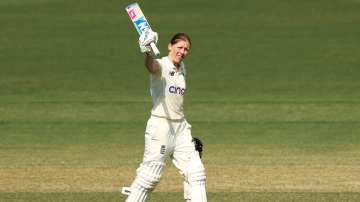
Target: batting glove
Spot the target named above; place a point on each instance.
(145, 49)
(146, 38)
(198, 145)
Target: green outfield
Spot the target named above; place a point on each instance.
(273, 92)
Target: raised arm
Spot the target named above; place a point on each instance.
(151, 64)
(145, 39)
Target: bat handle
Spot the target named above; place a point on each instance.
(155, 49)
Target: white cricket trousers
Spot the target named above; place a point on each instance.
(165, 138)
(168, 138)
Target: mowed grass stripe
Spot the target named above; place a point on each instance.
(303, 135)
(177, 197)
(219, 112)
(230, 168)
(117, 155)
(220, 179)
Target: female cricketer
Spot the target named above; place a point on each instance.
(167, 133)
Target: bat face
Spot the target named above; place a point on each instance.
(140, 23)
(138, 18)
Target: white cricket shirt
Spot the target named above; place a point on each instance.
(167, 89)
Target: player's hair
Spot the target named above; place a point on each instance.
(181, 36)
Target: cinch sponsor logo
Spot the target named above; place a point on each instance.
(177, 90)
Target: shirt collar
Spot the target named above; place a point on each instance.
(173, 67)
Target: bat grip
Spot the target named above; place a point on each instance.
(154, 49)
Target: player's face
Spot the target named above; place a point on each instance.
(178, 51)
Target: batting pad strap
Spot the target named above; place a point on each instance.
(196, 175)
(149, 174)
(195, 169)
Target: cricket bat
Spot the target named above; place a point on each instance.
(140, 23)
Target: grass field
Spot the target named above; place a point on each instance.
(273, 92)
